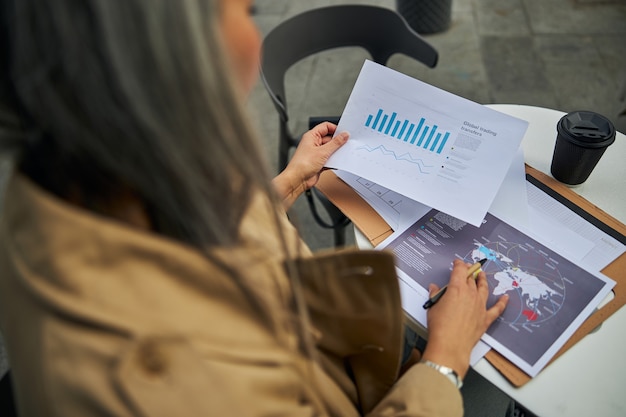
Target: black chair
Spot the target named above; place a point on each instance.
(7, 402)
(381, 32)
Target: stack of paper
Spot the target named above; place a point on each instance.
(447, 175)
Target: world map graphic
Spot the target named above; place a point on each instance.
(548, 293)
(532, 280)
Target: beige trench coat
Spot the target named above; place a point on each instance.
(102, 319)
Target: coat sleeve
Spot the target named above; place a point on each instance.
(421, 392)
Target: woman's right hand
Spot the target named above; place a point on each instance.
(460, 318)
(306, 164)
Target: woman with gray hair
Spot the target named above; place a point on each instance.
(146, 263)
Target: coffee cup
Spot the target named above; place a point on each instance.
(582, 137)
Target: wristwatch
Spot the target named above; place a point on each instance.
(445, 371)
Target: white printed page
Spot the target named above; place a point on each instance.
(550, 295)
(427, 144)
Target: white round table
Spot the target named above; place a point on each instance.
(605, 187)
(590, 378)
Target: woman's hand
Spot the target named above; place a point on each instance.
(460, 318)
(304, 168)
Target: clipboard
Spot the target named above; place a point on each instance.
(369, 222)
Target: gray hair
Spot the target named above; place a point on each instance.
(109, 93)
(137, 93)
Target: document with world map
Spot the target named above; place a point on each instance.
(549, 295)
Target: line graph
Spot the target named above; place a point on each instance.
(407, 157)
(405, 136)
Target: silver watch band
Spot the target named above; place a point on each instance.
(445, 371)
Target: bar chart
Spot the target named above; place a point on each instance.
(419, 133)
(426, 143)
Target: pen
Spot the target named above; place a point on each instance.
(471, 273)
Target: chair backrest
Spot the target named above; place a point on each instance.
(7, 399)
(382, 32)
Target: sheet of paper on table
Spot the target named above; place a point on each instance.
(552, 222)
(425, 143)
(401, 212)
(550, 296)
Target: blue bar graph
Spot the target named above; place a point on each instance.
(424, 132)
(380, 112)
(382, 124)
(393, 117)
(419, 134)
(443, 142)
(419, 127)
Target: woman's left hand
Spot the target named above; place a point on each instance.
(304, 168)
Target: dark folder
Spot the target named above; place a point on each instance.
(376, 230)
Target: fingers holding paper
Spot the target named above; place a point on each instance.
(306, 164)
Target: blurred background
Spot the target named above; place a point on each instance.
(561, 54)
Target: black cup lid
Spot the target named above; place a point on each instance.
(586, 128)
